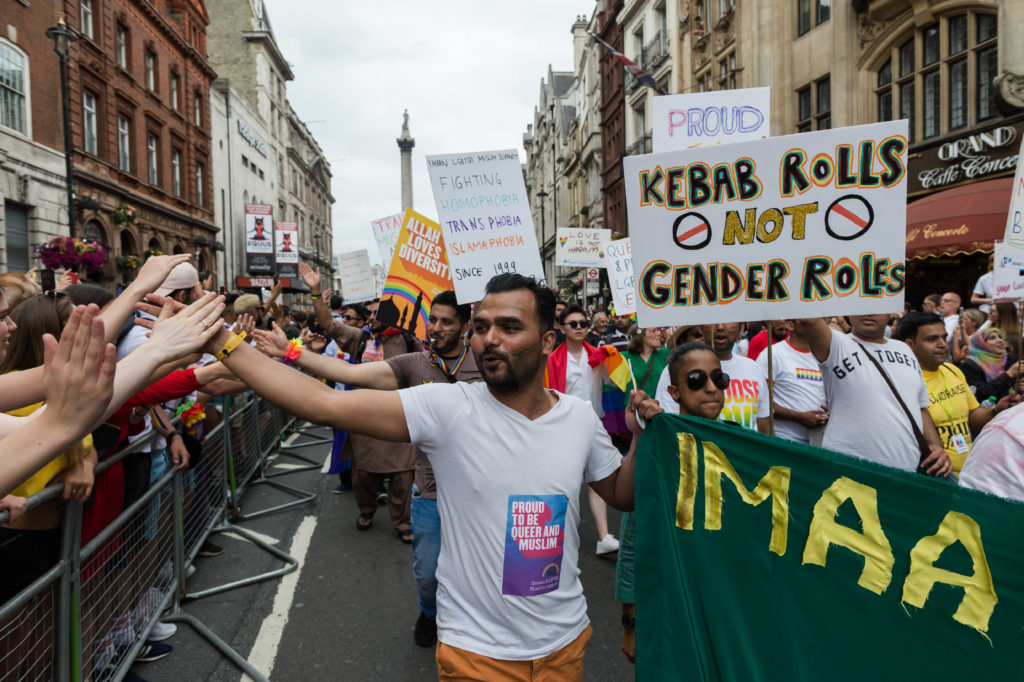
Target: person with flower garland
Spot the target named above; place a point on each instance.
(447, 360)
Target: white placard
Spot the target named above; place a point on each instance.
(793, 226)
(618, 260)
(357, 280)
(485, 217)
(385, 231)
(703, 118)
(1014, 234)
(580, 246)
(1008, 271)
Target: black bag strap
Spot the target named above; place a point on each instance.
(922, 444)
(643, 382)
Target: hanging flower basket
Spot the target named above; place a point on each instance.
(202, 240)
(89, 202)
(128, 263)
(149, 253)
(124, 214)
(218, 246)
(68, 253)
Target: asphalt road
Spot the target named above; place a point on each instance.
(349, 613)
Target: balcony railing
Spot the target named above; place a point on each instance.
(656, 51)
(641, 146)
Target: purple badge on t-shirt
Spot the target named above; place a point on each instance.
(533, 544)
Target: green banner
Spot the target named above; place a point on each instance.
(759, 558)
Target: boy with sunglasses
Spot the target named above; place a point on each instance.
(698, 387)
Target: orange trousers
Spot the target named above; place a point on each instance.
(564, 665)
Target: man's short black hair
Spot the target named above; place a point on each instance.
(336, 301)
(569, 310)
(358, 308)
(542, 296)
(913, 321)
(447, 298)
(675, 358)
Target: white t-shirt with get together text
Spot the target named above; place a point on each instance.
(508, 497)
(865, 419)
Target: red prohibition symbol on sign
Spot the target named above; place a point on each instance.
(849, 217)
(691, 231)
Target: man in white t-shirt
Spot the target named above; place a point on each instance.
(996, 464)
(949, 308)
(985, 288)
(800, 410)
(509, 458)
(746, 399)
(865, 418)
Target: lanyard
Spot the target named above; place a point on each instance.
(949, 413)
(437, 361)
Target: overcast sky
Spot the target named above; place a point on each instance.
(469, 73)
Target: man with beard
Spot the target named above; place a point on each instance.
(373, 460)
(746, 399)
(447, 361)
(509, 457)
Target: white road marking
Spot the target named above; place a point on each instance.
(289, 465)
(264, 649)
(327, 464)
(259, 536)
(292, 438)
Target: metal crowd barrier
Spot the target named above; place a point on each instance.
(87, 617)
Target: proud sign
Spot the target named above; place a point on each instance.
(796, 226)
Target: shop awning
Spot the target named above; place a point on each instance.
(958, 220)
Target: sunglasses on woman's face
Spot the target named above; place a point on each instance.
(698, 379)
(577, 324)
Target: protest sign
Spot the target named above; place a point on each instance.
(1008, 271)
(259, 239)
(357, 281)
(755, 554)
(580, 246)
(798, 226)
(418, 273)
(703, 118)
(618, 260)
(1015, 217)
(385, 232)
(484, 212)
(287, 252)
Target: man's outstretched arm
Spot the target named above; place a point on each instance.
(375, 375)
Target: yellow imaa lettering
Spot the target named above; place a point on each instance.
(871, 544)
(775, 484)
(980, 599)
(687, 481)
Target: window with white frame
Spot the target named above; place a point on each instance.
(124, 142)
(150, 71)
(152, 162)
(174, 91)
(197, 109)
(89, 122)
(85, 9)
(176, 172)
(13, 79)
(199, 184)
(121, 45)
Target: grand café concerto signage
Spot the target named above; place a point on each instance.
(980, 154)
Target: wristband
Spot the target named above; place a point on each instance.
(315, 297)
(293, 352)
(171, 435)
(231, 345)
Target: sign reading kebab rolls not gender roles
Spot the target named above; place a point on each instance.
(484, 212)
(259, 239)
(797, 226)
(418, 272)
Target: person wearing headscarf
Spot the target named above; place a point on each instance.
(990, 370)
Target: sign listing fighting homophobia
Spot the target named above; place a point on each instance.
(418, 272)
(760, 557)
(287, 252)
(704, 118)
(580, 246)
(485, 215)
(796, 226)
(259, 239)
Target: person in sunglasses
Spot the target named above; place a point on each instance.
(746, 400)
(697, 388)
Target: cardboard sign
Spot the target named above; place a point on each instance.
(798, 226)
(1015, 217)
(357, 281)
(580, 247)
(1008, 271)
(618, 260)
(287, 237)
(485, 215)
(259, 239)
(385, 231)
(703, 118)
(418, 273)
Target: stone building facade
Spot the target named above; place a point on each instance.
(140, 125)
(32, 175)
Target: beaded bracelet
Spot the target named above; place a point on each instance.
(293, 352)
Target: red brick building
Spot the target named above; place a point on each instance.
(140, 122)
(613, 121)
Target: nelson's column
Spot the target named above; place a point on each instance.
(405, 145)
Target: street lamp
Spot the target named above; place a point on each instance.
(62, 38)
(316, 237)
(542, 195)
